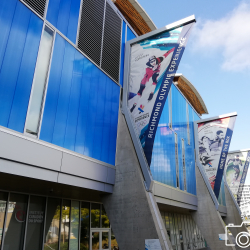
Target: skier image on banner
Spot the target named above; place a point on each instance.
(236, 166)
(152, 72)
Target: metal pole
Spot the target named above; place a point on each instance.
(5, 219)
(60, 225)
(44, 223)
(90, 233)
(70, 214)
(79, 229)
(26, 223)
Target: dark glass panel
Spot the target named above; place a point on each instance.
(52, 224)
(16, 220)
(64, 240)
(95, 215)
(34, 235)
(84, 237)
(105, 219)
(74, 225)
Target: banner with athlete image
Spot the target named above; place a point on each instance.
(236, 171)
(153, 64)
(214, 140)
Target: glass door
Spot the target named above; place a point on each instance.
(100, 239)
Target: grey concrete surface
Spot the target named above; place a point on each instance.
(133, 212)
(233, 216)
(207, 218)
(29, 157)
(161, 190)
(15, 183)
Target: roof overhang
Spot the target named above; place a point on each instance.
(191, 93)
(136, 16)
(144, 14)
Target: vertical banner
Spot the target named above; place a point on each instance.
(214, 138)
(236, 171)
(153, 64)
(243, 179)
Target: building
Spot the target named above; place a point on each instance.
(70, 177)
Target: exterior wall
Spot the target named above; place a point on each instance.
(196, 117)
(52, 222)
(81, 107)
(64, 15)
(190, 170)
(81, 114)
(163, 165)
(207, 218)
(81, 102)
(130, 34)
(19, 41)
(124, 37)
(127, 35)
(35, 159)
(132, 211)
(183, 231)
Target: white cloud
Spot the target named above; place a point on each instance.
(229, 35)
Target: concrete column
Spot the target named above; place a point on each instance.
(133, 212)
(233, 215)
(207, 218)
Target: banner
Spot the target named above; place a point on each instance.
(153, 65)
(214, 140)
(243, 179)
(236, 172)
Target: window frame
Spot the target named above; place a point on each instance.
(177, 161)
(45, 84)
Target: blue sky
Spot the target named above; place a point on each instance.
(217, 56)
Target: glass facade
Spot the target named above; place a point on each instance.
(75, 223)
(182, 231)
(35, 223)
(52, 224)
(85, 224)
(65, 224)
(54, 92)
(48, 88)
(45, 223)
(95, 216)
(173, 157)
(104, 219)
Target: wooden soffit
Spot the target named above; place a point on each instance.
(190, 92)
(133, 17)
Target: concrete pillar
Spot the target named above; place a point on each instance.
(133, 212)
(207, 218)
(233, 215)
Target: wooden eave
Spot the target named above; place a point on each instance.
(132, 16)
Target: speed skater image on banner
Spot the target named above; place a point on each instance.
(214, 140)
(153, 65)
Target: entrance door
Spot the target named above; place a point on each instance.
(100, 239)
